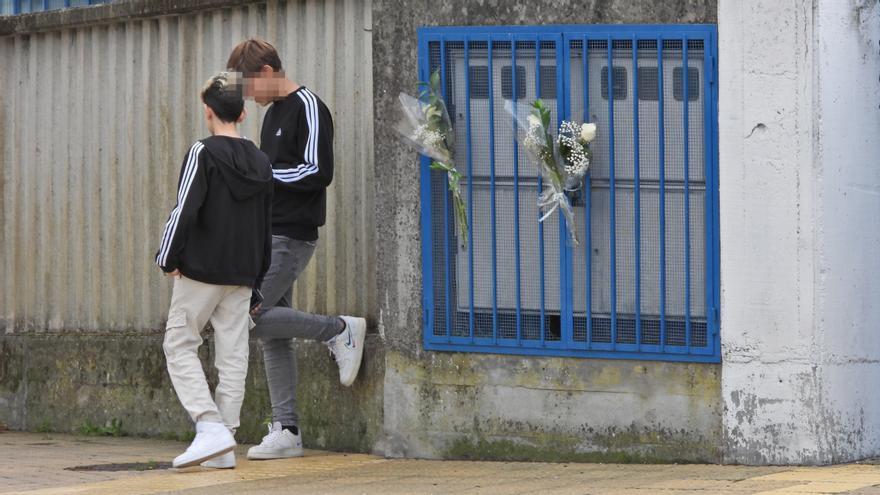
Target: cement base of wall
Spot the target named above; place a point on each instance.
(65, 382)
(454, 406)
(480, 406)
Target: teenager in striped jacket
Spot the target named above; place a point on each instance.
(217, 247)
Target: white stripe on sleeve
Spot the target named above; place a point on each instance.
(192, 164)
(310, 153)
(294, 177)
(311, 108)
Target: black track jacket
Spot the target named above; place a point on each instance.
(220, 231)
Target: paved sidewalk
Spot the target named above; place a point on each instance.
(36, 463)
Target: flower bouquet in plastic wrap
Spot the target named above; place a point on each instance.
(426, 126)
(563, 162)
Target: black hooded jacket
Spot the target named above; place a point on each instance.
(220, 232)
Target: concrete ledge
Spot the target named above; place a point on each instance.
(492, 407)
(65, 382)
(98, 14)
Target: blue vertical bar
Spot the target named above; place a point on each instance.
(16, 7)
(612, 205)
(662, 210)
(470, 178)
(563, 81)
(514, 94)
(45, 5)
(685, 82)
(716, 247)
(637, 191)
(587, 193)
(540, 188)
(447, 239)
(492, 186)
(709, 191)
(66, 3)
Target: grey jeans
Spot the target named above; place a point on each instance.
(278, 324)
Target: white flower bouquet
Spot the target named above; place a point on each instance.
(533, 123)
(425, 125)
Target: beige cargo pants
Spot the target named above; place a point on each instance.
(193, 305)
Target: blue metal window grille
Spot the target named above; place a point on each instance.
(643, 283)
(16, 7)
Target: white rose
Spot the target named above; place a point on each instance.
(534, 121)
(588, 132)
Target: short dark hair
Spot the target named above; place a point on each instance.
(251, 55)
(223, 95)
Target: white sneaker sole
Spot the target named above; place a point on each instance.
(217, 463)
(284, 454)
(196, 462)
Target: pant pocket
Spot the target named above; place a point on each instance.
(298, 245)
(176, 319)
(175, 334)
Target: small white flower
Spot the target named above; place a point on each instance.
(534, 121)
(533, 142)
(588, 132)
(428, 138)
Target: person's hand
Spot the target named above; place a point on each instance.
(175, 274)
(256, 309)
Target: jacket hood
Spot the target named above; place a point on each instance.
(244, 168)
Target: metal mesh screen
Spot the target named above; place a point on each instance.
(639, 277)
(442, 231)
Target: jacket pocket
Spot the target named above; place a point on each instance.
(251, 323)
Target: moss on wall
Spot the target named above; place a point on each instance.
(479, 406)
(72, 383)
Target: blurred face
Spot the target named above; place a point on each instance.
(262, 86)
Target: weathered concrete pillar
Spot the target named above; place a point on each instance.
(799, 198)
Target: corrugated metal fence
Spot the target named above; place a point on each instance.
(94, 122)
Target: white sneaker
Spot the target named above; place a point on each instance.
(348, 348)
(225, 461)
(278, 444)
(212, 440)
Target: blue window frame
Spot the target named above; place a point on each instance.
(643, 283)
(16, 7)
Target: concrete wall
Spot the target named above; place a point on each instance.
(98, 107)
(490, 406)
(799, 127)
(69, 381)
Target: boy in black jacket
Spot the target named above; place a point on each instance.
(297, 136)
(217, 246)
